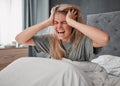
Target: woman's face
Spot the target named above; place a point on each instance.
(62, 29)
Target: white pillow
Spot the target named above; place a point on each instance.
(110, 63)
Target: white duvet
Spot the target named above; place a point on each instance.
(49, 72)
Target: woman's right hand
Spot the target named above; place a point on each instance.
(51, 18)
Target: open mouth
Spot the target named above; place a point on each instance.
(61, 32)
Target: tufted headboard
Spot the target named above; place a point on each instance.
(110, 23)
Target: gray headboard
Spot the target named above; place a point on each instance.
(110, 23)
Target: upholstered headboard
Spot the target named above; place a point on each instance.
(110, 23)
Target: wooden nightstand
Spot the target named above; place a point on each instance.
(7, 55)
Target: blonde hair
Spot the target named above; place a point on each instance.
(56, 50)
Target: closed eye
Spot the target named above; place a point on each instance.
(64, 22)
(55, 22)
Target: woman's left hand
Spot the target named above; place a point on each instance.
(72, 14)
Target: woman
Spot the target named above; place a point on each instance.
(71, 38)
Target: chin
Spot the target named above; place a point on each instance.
(61, 38)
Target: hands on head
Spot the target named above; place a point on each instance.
(71, 14)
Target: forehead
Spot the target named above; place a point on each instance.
(59, 16)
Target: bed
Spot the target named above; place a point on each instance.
(50, 72)
(103, 70)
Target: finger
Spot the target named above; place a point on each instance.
(53, 10)
(69, 11)
(74, 11)
(75, 16)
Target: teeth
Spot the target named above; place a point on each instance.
(60, 31)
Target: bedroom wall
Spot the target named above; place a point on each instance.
(91, 6)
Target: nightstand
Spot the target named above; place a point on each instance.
(8, 55)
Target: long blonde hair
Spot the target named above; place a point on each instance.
(56, 50)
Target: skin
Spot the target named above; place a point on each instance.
(98, 37)
(63, 27)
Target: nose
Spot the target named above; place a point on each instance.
(59, 25)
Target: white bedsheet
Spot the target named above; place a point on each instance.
(50, 72)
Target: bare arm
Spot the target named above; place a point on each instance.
(25, 37)
(99, 37)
